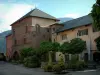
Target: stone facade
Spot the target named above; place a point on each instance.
(30, 32)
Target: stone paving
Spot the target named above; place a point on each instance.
(10, 69)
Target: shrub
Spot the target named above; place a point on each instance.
(25, 52)
(57, 68)
(32, 62)
(79, 65)
(48, 68)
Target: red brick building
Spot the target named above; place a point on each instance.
(29, 31)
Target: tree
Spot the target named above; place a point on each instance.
(97, 40)
(77, 46)
(49, 47)
(95, 13)
(25, 52)
(65, 47)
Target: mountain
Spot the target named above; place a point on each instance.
(3, 41)
(64, 19)
(5, 33)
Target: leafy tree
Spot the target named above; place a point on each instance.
(77, 46)
(65, 47)
(55, 46)
(32, 61)
(25, 52)
(49, 47)
(95, 13)
(98, 43)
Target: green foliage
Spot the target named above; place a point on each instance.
(46, 46)
(48, 68)
(98, 43)
(77, 46)
(74, 58)
(57, 68)
(55, 46)
(75, 64)
(95, 13)
(65, 47)
(32, 62)
(60, 66)
(49, 46)
(25, 52)
(81, 65)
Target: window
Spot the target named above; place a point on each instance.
(64, 37)
(82, 32)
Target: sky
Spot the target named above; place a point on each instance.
(12, 10)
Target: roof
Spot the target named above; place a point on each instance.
(58, 23)
(37, 13)
(85, 20)
(9, 34)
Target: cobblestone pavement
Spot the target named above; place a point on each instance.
(10, 69)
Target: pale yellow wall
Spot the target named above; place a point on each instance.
(42, 22)
(73, 34)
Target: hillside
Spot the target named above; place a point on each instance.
(64, 19)
(3, 41)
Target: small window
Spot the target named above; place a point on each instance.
(64, 37)
(82, 32)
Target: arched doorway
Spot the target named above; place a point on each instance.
(15, 55)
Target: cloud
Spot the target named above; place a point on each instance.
(11, 13)
(72, 15)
